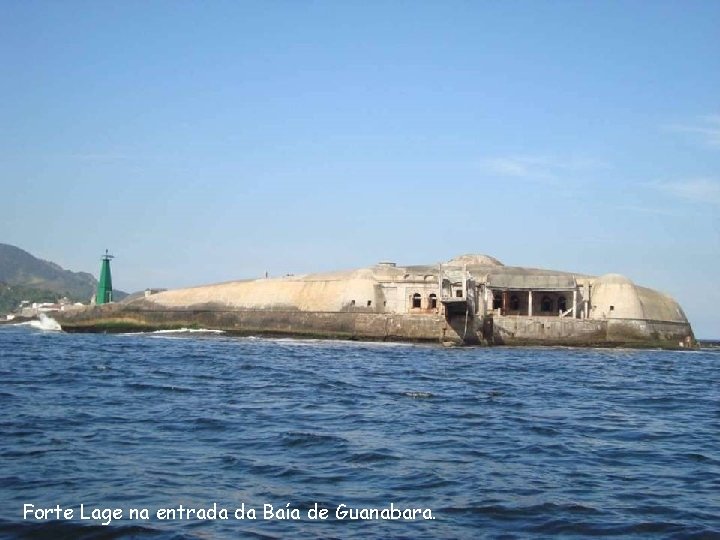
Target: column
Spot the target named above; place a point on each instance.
(464, 282)
(574, 303)
(530, 303)
(440, 282)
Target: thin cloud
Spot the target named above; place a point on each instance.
(702, 190)
(517, 167)
(101, 157)
(537, 167)
(708, 128)
(648, 210)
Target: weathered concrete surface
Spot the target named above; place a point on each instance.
(344, 325)
(456, 301)
(510, 330)
(514, 330)
(316, 292)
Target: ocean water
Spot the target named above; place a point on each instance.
(488, 442)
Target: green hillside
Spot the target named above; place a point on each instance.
(25, 277)
(12, 295)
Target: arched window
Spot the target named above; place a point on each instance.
(546, 305)
(497, 301)
(416, 300)
(514, 303)
(562, 304)
(433, 301)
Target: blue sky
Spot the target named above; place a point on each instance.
(209, 141)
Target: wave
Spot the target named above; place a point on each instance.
(327, 342)
(176, 331)
(45, 323)
(189, 331)
(61, 529)
(418, 395)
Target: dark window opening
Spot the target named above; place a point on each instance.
(352, 302)
(546, 305)
(458, 293)
(514, 303)
(416, 300)
(562, 304)
(369, 303)
(433, 301)
(497, 301)
(612, 308)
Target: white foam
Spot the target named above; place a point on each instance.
(188, 331)
(45, 323)
(419, 395)
(329, 342)
(160, 333)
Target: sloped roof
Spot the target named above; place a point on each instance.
(521, 281)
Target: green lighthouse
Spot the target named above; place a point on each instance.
(104, 289)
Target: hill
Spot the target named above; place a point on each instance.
(25, 277)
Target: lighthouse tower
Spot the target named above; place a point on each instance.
(104, 289)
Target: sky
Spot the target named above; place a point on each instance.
(210, 141)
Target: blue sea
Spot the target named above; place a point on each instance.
(341, 438)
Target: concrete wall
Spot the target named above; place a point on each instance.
(616, 297)
(353, 291)
(399, 296)
(504, 330)
(336, 293)
(659, 306)
(348, 325)
(669, 334)
(512, 330)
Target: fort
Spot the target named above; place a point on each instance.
(471, 299)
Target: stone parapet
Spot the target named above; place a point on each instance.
(344, 325)
(497, 330)
(518, 330)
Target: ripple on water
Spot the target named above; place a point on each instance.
(525, 442)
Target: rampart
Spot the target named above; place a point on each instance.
(514, 330)
(339, 325)
(471, 299)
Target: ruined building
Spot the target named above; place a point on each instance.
(472, 299)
